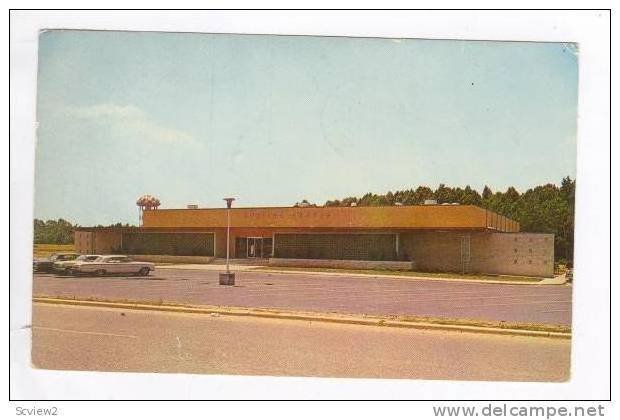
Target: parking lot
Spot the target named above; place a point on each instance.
(107, 339)
(548, 304)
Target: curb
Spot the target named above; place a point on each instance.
(304, 316)
(364, 275)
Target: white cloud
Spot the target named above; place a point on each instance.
(131, 119)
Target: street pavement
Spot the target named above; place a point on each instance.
(104, 339)
(527, 303)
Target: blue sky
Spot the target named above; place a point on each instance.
(192, 118)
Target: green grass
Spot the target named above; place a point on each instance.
(488, 277)
(45, 250)
(489, 324)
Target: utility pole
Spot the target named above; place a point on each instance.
(228, 278)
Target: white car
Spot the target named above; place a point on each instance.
(66, 266)
(113, 264)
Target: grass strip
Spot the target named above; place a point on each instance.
(396, 321)
(480, 277)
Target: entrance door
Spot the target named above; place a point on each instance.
(255, 248)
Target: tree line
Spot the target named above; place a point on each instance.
(60, 231)
(545, 208)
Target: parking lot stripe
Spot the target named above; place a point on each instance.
(84, 332)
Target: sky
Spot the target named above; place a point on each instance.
(272, 120)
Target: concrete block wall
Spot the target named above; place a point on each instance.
(521, 254)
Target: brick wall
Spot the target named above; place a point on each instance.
(83, 242)
(101, 242)
(169, 243)
(434, 251)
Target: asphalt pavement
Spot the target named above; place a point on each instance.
(527, 303)
(104, 339)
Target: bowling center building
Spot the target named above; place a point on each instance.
(425, 238)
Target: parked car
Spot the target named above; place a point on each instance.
(67, 266)
(46, 265)
(113, 264)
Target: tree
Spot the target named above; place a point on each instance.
(421, 194)
(53, 232)
(443, 194)
(304, 203)
(486, 193)
(470, 196)
(545, 208)
(347, 201)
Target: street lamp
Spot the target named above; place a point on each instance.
(228, 278)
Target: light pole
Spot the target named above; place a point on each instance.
(228, 278)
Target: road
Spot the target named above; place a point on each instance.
(549, 304)
(102, 339)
